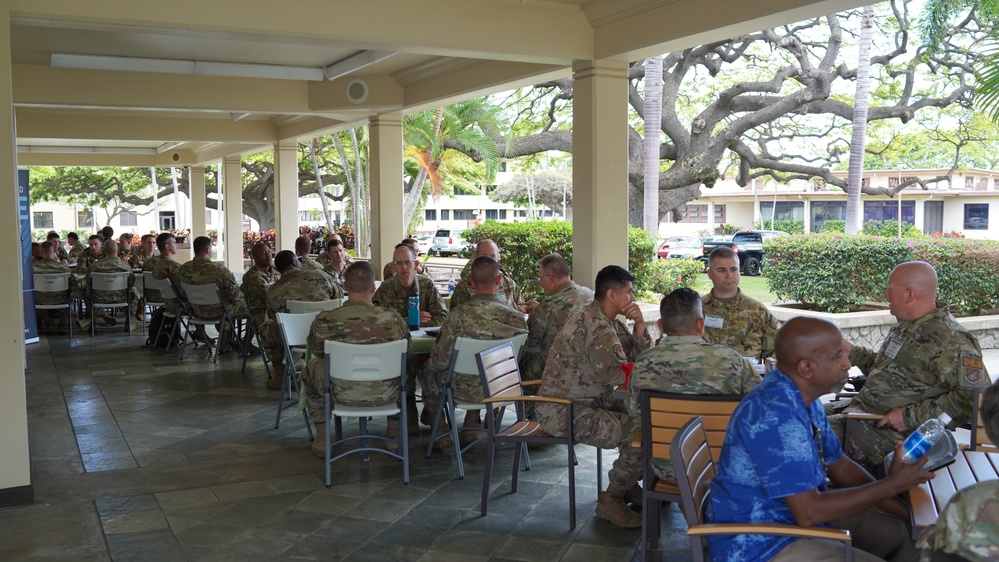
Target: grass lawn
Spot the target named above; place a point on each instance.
(755, 287)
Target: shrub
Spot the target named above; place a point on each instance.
(889, 229)
(783, 225)
(666, 276)
(523, 244)
(836, 273)
(834, 226)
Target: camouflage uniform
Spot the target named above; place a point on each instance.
(388, 272)
(84, 261)
(354, 322)
(547, 321)
(256, 282)
(687, 365)
(111, 264)
(463, 291)
(301, 285)
(201, 271)
(309, 264)
(77, 250)
(747, 325)
(485, 317)
(137, 259)
(968, 526)
(393, 296)
(61, 253)
(46, 267)
(161, 267)
(584, 365)
(327, 265)
(925, 366)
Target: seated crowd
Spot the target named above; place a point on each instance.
(783, 458)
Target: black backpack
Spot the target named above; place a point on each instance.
(156, 322)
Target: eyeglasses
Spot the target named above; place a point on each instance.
(542, 277)
(403, 263)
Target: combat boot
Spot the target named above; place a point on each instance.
(445, 441)
(612, 507)
(412, 416)
(319, 444)
(392, 432)
(468, 434)
(276, 381)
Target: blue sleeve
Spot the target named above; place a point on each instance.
(784, 453)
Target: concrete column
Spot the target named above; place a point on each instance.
(808, 216)
(599, 168)
(285, 195)
(15, 466)
(233, 207)
(385, 170)
(198, 207)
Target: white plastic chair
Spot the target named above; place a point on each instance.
(369, 363)
(294, 330)
(463, 365)
(299, 307)
(109, 282)
(206, 295)
(55, 283)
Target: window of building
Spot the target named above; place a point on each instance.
(720, 213)
(695, 213)
(502, 166)
(430, 214)
(492, 214)
(547, 213)
(85, 219)
(502, 214)
(445, 214)
(782, 210)
(42, 219)
(464, 214)
(167, 221)
(458, 190)
(520, 213)
(305, 216)
(823, 211)
(969, 182)
(128, 218)
(995, 184)
(976, 216)
(208, 216)
(888, 211)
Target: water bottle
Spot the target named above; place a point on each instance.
(451, 284)
(414, 312)
(923, 439)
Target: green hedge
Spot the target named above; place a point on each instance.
(783, 225)
(837, 273)
(888, 229)
(666, 276)
(523, 244)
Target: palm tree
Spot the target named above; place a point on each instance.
(858, 140)
(653, 113)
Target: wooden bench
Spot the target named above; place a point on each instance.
(928, 499)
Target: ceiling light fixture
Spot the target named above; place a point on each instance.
(237, 116)
(356, 62)
(189, 67)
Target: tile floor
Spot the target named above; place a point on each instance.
(138, 456)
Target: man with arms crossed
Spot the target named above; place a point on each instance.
(779, 450)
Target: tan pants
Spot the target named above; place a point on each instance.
(876, 536)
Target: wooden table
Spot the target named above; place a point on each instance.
(927, 500)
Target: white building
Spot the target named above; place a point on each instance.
(960, 205)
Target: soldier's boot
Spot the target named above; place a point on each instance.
(612, 507)
(445, 441)
(467, 436)
(634, 496)
(108, 318)
(319, 444)
(140, 310)
(392, 432)
(412, 417)
(277, 379)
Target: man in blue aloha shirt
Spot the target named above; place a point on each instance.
(779, 450)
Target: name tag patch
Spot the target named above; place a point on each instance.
(893, 348)
(714, 322)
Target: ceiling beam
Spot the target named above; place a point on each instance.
(25, 158)
(476, 80)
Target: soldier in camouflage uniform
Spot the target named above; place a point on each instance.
(201, 271)
(110, 263)
(357, 321)
(929, 364)
(141, 253)
(75, 246)
(968, 527)
(731, 318)
(163, 266)
(564, 299)
(57, 320)
(125, 246)
(509, 291)
(333, 260)
(302, 248)
(584, 365)
(683, 363)
(389, 271)
(61, 255)
(485, 317)
(91, 255)
(257, 280)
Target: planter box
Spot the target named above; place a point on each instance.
(870, 328)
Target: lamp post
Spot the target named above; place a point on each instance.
(899, 186)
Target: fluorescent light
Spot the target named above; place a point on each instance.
(356, 62)
(86, 149)
(167, 146)
(189, 67)
(237, 116)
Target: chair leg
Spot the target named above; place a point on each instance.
(454, 435)
(362, 426)
(441, 397)
(487, 476)
(93, 321)
(517, 453)
(600, 470)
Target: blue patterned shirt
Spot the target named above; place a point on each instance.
(776, 446)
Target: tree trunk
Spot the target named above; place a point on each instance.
(320, 190)
(412, 202)
(858, 140)
(653, 109)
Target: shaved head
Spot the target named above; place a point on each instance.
(812, 353)
(912, 290)
(487, 248)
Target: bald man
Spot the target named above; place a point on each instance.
(928, 364)
(509, 291)
(779, 450)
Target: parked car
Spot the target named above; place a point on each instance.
(672, 242)
(691, 251)
(749, 245)
(423, 244)
(447, 242)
